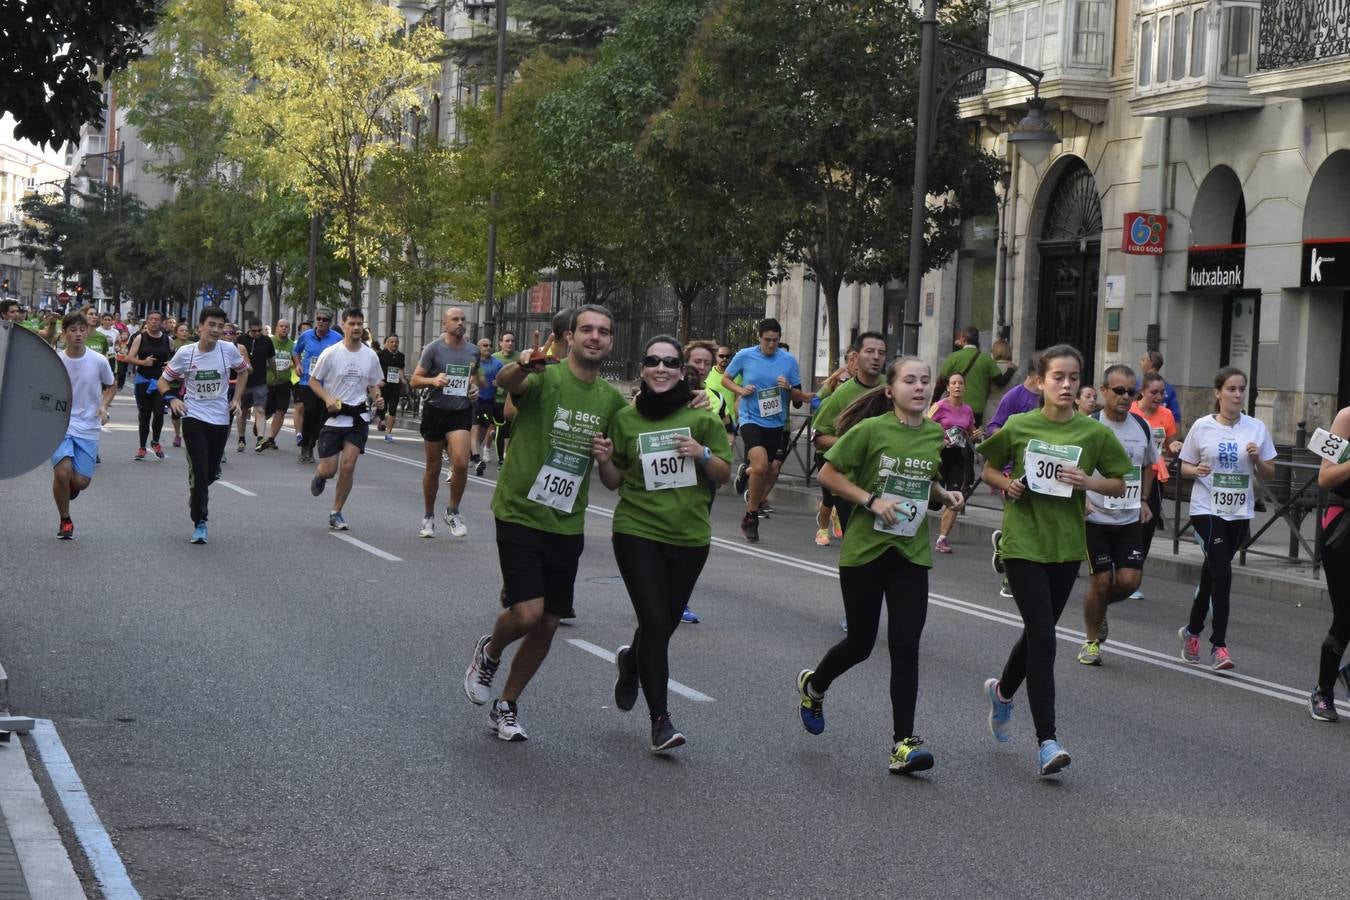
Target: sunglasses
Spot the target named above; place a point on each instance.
(724, 356)
(670, 362)
(1121, 391)
(322, 319)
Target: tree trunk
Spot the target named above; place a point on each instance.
(831, 288)
(686, 294)
(274, 290)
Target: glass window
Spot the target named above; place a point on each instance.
(1198, 44)
(1236, 38)
(1032, 46)
(1015, 30)
(1179, 28)
(1164, 46)
(1145, 52)
(1089, 32)
(1050, 35)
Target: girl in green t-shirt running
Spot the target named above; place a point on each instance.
(886, 461)
(1051, 450)
(662, 457)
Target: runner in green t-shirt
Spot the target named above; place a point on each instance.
(506, 342)
(562, 413)
(279, 383)
(869, 353)
(662, 457)
(979, 368)
(1051, 450)
(885, 461)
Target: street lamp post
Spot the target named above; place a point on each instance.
(118, 158)
(942, 66)
(490, 287)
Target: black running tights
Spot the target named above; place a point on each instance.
(904, 588)
(312, 421)
(660, 579)
(1041, 591)
(1336, 564)
(1221, 540)
(205, 444)
(149, 411)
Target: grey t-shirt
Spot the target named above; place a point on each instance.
(460, 363)
(1137, 439)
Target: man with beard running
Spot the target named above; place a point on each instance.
(278, 383)
(449, 367)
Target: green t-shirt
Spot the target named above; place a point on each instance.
(981, 373)
(1039, 527)
(671, 515)
(95, 341)
(885, 456)
(544, 481)
(505, 358)
(837, 402)
(279, 368)
(713, 384)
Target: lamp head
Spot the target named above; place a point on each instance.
(1034, 136)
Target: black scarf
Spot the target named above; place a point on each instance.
(658, 406)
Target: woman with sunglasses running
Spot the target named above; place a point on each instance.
(886, 462)
(1221, 453)
(1052, 450)
(661, 456)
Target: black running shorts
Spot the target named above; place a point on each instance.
(437, 423)
(538, 564)
(331, 439)
(1114, 547)
(771, 439)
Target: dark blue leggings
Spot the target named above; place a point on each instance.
(1041, 591)
(1221, 540)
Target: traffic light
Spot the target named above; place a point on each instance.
(79, 291)
(5, 285)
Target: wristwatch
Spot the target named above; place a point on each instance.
(707, 455)
(867, 504)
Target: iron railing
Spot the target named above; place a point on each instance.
(1296, 32)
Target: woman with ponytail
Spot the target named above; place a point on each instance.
(662, 457)
(886, 461)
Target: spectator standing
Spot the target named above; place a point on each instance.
(978, 368)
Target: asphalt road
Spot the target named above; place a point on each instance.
(279, 714)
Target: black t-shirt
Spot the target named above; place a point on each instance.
(261, 351)
(391, 360)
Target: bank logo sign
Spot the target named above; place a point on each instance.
(1219, 267)
(1326, 263)
(1145, 234)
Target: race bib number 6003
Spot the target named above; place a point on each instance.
(1044, 462)
(770, 402)
(559, 480)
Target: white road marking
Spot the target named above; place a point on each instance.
(681, 689)
(236, 488)
(1005, 617)
(376, 551)
(98, 848)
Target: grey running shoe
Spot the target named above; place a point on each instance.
(997, 560)
(1005, 590)
(664, 735)
(1091, 654)
(316, 485)
(627, 684)
(1322, 706)
(505, 720)
(1000, 712)
(337, 522)
(478, 677)
(1190, 645)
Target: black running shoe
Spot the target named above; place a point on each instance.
(626, 685)
(742, 479)
(750, 527)
(664, 735)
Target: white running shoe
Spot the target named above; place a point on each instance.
(478, 677)
(504, 719)
(456, 522)
(428, 527)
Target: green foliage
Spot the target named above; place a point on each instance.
(55, 52)
(558, 28)
(798, 115)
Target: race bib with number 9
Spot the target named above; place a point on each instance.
(1230, 494)
(1044, 462)
(910, 495)
(1331, 447)
(662, 468)
(559, 480)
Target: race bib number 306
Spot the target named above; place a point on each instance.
(662, 467)
(559, 480)
(1044, 462)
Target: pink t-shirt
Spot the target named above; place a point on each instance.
(949, 416)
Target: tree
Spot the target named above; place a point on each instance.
(559, 28)
(56, 52)
(329, 80)
(798, 115)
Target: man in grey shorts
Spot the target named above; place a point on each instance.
(449, 367)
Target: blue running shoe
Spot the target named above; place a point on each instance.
(689, 616)
(1000, 712)
(1053, 758)
(199, 533)
(336, 522)
(813, 710)
(909, 756)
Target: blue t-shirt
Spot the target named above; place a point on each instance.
(768, 407)
(308, 347)
(489, 367)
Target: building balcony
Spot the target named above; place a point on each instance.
(1069, 40)
(1194, 57)
(1304, 48)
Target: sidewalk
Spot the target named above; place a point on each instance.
(1267, 578)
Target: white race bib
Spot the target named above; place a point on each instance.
(1129, 499)
(1159, 435)
(910, 494)
(391, 375)
(206, 384)
(1331, 447)
(458, 385)
(1230, 494)
(559, 480)
(282, 363)
(1044, 462)
(770, 402)
(662, 468)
